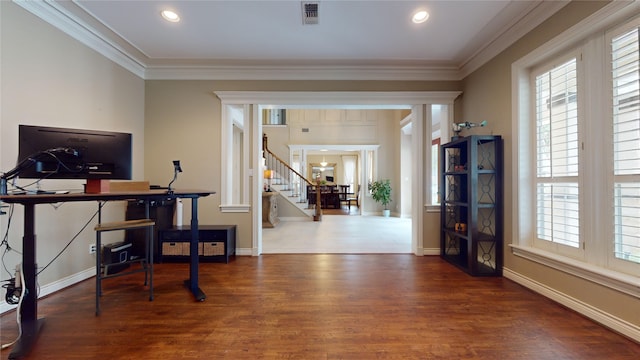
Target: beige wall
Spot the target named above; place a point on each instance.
(278, 141)
(183, 122)
(50, 79)
(487, 95)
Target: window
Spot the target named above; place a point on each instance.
(349, 162)
(435, 163)
(441, 118)
(234, 190)
(577, 153)
(370, 161)
(625, 72)
(274, 117)
(556, 147)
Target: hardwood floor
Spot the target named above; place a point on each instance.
(393, 306)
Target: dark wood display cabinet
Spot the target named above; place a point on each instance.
(471, 190)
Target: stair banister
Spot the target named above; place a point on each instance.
(287, 176)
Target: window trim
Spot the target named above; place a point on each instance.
(613, 261)
(227, 201)
(612, 15)
(550, 245)
(624, 283)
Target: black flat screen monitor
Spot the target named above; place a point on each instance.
(61, 153)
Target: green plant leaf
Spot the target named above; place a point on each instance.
(381, 191)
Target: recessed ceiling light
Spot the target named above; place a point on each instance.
(420, 16)
(170, 15)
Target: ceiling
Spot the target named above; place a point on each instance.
(353, 38)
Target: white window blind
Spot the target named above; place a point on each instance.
(578, 155)
(626, 145)
(557, 158)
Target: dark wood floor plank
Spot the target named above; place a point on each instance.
(317, 307)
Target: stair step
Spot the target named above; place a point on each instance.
(284, 188)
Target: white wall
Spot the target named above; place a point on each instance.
(48, 78)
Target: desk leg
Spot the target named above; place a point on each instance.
(29, 308)
(192, 282)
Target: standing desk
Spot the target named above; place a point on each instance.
(29, 308)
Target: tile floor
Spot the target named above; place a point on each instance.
(339, 234)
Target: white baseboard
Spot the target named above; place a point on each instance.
(608, 320)
(54, 286)
(244, 252)
(431, 251)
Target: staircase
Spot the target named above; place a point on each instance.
(289, 183)
(288, 194)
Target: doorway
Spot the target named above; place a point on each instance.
(349, 166)
(419, 103)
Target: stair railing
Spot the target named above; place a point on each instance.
(287, 176)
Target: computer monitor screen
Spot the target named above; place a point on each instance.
(61, 153)
(329, 178)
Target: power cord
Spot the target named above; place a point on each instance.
(5, 240)
(18, 312)
(13, 288)
(101, 204)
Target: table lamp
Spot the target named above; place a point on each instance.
(268, 174)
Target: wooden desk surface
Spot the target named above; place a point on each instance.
(122, 195)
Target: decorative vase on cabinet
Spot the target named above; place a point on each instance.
(471, 216)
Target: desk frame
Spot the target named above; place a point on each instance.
(29, 309)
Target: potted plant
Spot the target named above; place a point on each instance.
(381, 193)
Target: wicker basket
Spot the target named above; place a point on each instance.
(213, 248)
(173, 248)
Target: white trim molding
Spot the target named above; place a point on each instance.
(608, 320)
(310, 73)
(235, 208)
(236, 170)
(539, 11)
(72, 19)
(431, 251)
(245, 252)
(414, 100)
(522, 246)
(627, 284)
(55, 286)
(73, 25)
(432, 208)
(339, 99)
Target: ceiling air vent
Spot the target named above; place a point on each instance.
(309, 13)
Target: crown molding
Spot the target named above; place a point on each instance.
(511, 33)
(59, 17)
(343, 99)
(63, 16)
(302, 72)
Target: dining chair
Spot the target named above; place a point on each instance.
(355, 198)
